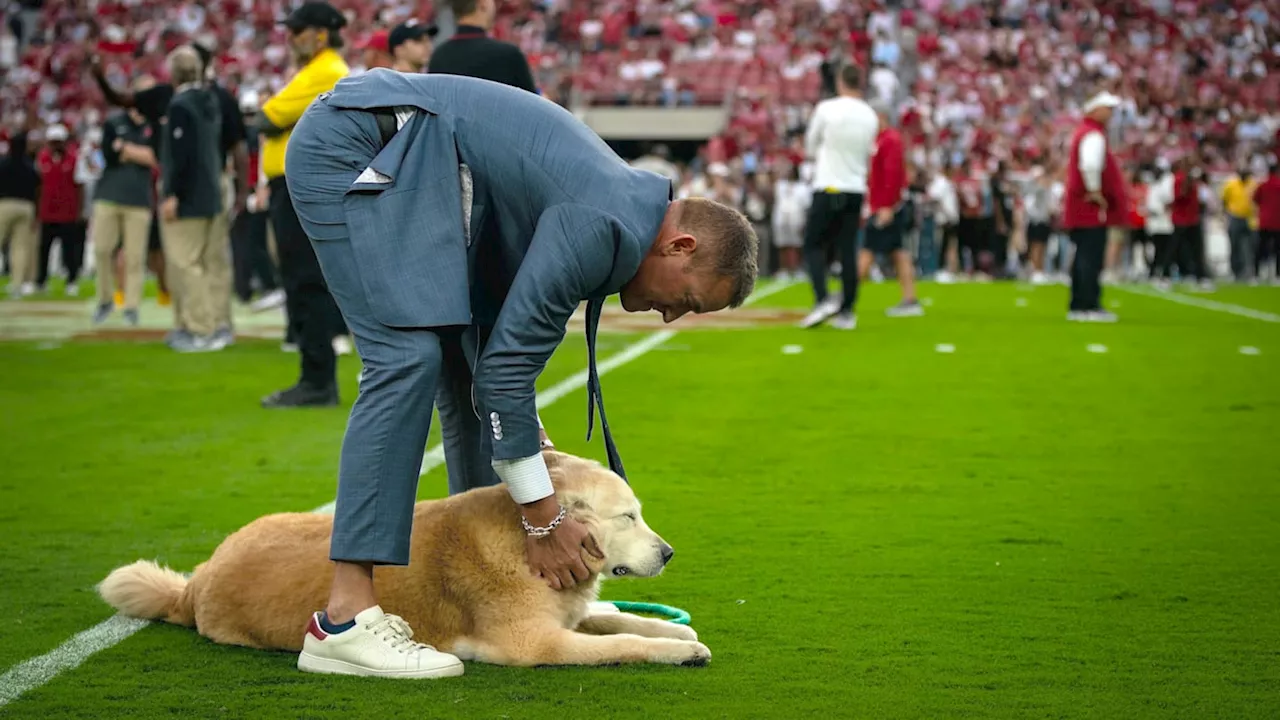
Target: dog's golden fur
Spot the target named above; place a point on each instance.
(468, 589)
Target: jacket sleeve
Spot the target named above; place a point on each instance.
(110, 156)
(178, 150)
(572, 253)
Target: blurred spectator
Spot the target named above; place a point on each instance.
(1267, 197)
(19, 186)
(1242, 221)
(472, 52)
(792, 197)
(192, 192)
(122, 210)
(410, 46)
(887, 185)
(61, 204)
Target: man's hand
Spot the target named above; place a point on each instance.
(557, 558)
(884, 216)
(169, 209)
(544, 442)
(1097, 199)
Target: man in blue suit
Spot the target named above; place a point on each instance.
(459, 223)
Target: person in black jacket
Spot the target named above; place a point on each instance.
(19, 185)
(191, 202)
(471, 52)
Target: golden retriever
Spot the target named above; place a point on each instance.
(467, 591)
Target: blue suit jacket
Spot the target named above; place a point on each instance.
(556, 218)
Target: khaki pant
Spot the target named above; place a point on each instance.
(190, 245)
(114, 224)
(219, 259)
(17, 223)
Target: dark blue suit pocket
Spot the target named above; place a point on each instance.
(412, 256)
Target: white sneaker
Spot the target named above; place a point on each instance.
(270, 301)
(845, 321)
(1103, 316)
(944, 277)
(380, 645)
(1079, 316)
(905, 309)
(822, 313)
(71, 290)
(1039, 278)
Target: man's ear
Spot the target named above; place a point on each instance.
(681, 244)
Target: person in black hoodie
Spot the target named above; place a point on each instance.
(19, 187)
(471, 52)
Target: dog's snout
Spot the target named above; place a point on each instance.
(667, 552)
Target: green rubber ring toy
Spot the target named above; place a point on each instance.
(672, 614)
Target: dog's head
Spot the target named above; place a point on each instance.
(604, 502)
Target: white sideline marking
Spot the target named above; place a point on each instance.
(34, 672)
(1250, 350)
(1020, 302)
(792, 349)
(1096, 348)
(1202, 303)
(945, 348)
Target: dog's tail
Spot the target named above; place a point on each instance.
(151, 592)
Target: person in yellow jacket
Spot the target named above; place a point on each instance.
(314, 319)
(1242, 222)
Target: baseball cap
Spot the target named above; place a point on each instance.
(320, 15)
(1103, 99)
(377, 41)
(406, 31)
(56, 132)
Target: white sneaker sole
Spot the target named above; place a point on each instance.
(328, 666)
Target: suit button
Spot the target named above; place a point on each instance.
(493, 416)
(497, 435)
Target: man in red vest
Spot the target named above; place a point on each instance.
(1096, 198)
(1188, 230)
(60, 205)
(1267, 198)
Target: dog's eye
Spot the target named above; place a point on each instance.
(631, 516)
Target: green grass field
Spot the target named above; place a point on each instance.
(867, 528)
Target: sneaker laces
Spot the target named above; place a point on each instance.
(394, 631)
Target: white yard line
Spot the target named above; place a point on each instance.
(1202, 303)
(31, 674)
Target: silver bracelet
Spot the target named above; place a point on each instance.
(541, 532)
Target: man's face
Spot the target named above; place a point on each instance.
(668, 281)
(305, 43)
(414, 52)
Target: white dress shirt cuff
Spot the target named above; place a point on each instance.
(526, 478)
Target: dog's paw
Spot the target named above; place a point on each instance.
(699, 655)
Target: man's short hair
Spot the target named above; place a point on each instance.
(184, 65)
(462, 8)
(731, 238)
(851, 77)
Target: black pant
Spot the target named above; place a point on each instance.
(249, 255)
(1163, 263)
(1086, 267)
(833, 219)
(1189, 243)
(1268, 251)
(307, 300)
(71, 236)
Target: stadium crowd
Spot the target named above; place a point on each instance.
(984, 92)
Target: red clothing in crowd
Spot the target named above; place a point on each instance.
(59, 193)
(888, 174)
(1077, 211)
(1267, 197)
(1137, 206)
(1186, 201)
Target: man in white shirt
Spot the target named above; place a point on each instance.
(840, 139)
(1160, 222)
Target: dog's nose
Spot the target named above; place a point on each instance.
(667, 552)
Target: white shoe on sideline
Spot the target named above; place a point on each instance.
(380, 645)
(845, 321)
(822, 313)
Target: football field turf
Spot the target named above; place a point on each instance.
(985, 512)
